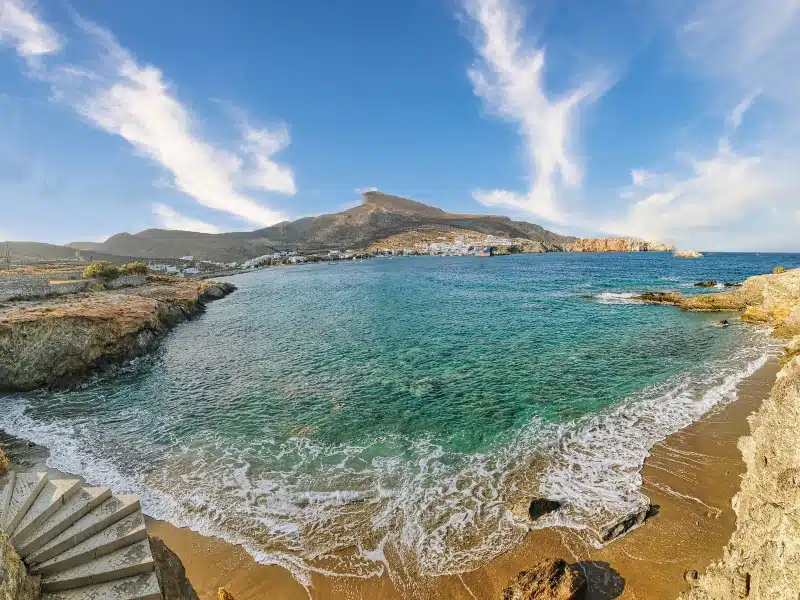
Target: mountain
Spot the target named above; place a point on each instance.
(377, 217)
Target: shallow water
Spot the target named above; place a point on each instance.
(347, 418)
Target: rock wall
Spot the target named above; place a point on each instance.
(762, 559)
(619, 244)
(57, 342)
(15, 583)
(32, 288)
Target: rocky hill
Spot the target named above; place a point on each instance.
(377, 217)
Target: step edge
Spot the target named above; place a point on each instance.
(45, 537)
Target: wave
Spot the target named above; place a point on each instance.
(617, 297)
(341, 509)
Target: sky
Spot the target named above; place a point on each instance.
(672, 121)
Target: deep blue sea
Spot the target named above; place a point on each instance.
(325, 416)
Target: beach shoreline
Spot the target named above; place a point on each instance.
(690, 477)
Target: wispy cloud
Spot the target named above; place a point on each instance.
(21, 28)
(169, 218)
(509, 77)
(749, 50)
(119, 95)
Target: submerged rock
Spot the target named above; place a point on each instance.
(551, 579)
(721, 324)
(706, 284)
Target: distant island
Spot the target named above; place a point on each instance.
(382, 222)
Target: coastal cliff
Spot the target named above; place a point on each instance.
(617, 244)
(762, 558)
(54, 342)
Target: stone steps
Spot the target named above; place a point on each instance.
(84, 542)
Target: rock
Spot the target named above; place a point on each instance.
(670, 298)
(722, 324)
(551, 579)
(15, 583)
(706, 284)
(171, 573)
(729, 284)
(691, 576)
(777, 270)
(617, 245)
(622, 525)
(531, 510)
(687, 254)
(3, 463)
(223, 594)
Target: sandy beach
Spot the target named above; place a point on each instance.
(691, 477)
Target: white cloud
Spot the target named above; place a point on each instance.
(509, 77)
(22, 29)
(640, 176)
(752, 45)
(727, 191)
(737, 114)
(260, 145)
(133, 101)
(169, 218)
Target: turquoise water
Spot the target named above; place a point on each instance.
(334, 417)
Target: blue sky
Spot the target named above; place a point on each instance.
(676, 121)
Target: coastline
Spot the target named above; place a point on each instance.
(691, 476)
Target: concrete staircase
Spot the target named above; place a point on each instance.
(86, 543)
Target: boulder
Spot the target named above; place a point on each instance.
(622, 525)
(171, 573)
(722, 324)
(706, 284)
(530, 510)
(729, 284)
(223, 594)
(551, 579)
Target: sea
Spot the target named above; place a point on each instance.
(333, 417)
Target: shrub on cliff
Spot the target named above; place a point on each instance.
(3, 463)
(778, 269)
(134, 268)
(102, 269)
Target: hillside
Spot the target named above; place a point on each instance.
(378, 217)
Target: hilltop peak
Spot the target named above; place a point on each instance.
(398, 204)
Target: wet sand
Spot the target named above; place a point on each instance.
(691, 477)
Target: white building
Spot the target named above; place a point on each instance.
(191, 271)
(187, 257)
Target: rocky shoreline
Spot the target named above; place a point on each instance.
(762, 558)
(56, 342)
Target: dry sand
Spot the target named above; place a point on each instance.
(691, 476)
